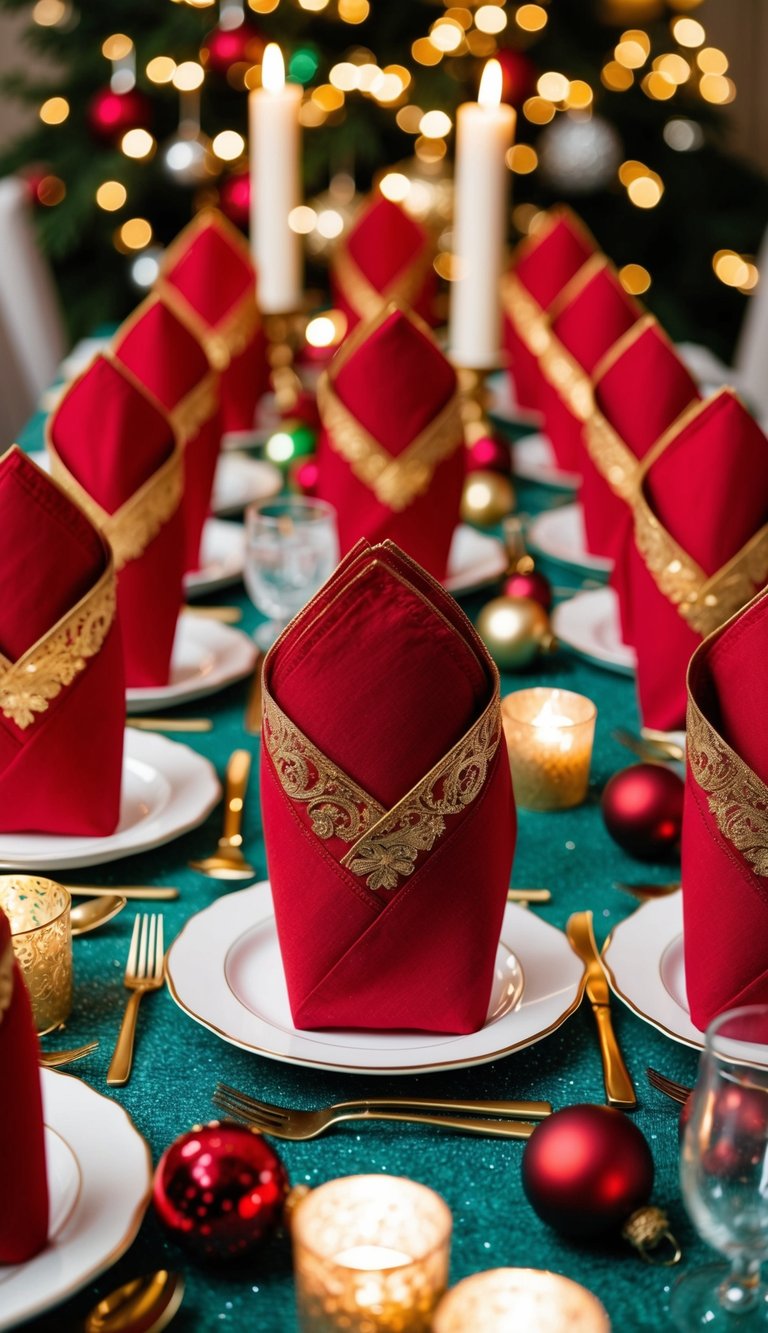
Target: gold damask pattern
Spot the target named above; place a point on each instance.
(337, 807)
(704, 602)
(526, 315)
(737, 798)
(28, 685)
(136, 523)
(396, 481)
(366, 299)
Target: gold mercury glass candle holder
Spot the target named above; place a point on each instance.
(504, 1299)
(370, 1255)
(549, 735)
(41, 934)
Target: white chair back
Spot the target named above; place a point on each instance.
(751, 357)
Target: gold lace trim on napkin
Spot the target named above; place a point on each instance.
(568, 378)
(526, 315)
(386, 844)
(225, 340)
(136, 523)
(28, 685)
(611, 456)
(737, 798)
(396, 481)
(364, 298)
(195, 408)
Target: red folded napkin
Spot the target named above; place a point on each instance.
(390, 456)
(386, 256)
(701, 544)
(23, 1179)
(114, 451)
(172, 365)
(209, 280)
(62, 689)
(591, 312)
(725, 833)
(541, 266)
(388, 811)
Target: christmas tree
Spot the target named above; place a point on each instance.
(145, 119)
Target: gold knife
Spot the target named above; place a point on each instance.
(618, 1084)
(252, 722)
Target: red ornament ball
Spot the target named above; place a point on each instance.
(224, 47)
(302, 476)
(643, 810)
(235, 198)
(533, 585)
(488, 454)
(518, 75)
(110, 115)
(586, 1169)
(220, 1189)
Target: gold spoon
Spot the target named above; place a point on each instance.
(228, 861)
(147, 1303)
(94, 913)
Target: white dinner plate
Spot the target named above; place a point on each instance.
(206, 657)
(222, 558)
(589, 625)
(474, 560)
(646, 969)
(225, 971)
(240, 480)
(559, 534)
(167, 790)
(503, 404)
(533, 459)
(100, 1179)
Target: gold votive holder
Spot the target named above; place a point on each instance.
(549, 735)
(41, 934)
(507, 1299)
(370, 1255)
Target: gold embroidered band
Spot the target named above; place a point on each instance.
(225, 340)
(569, 378)
(385, 844)
(396, 481)
(28, 685)
(737, 798)
(195, 408)
(137, 522)
(525, 315)
(613, 459)
(364, 298)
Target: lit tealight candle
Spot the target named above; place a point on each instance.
(549, 736)
(520, 1298)
(484, 132)
(273, 114)
(370, 1253)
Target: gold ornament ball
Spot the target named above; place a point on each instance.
(487, 498)
(515, 630)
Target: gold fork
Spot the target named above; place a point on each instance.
(52, 1059)
(679, 1092)
(284, 1123)
(144, 971)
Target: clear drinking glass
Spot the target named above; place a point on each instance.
(724, 1176)
(292, 547)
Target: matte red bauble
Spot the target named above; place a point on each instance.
(220, 1189)
(533, 585)
(489, 454)
(643, 810)
(586, 1169)
(235, 198)
(518, 75)
(110, 114)
(224, 47)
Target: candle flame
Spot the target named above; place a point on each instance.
(549, 724)
(273, 69)
(490, 84)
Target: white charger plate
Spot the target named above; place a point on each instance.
(588, 624)
(100, 1180)
(559, 534)
(222, 558)
(533, 459)
(167, 790)
(503, 404)
(225, 971)
(240, 480)
(206, 657)
(645, 966)
(473, 560)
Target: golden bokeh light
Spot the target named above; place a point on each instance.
(617, 78)
(161, 69)
(327, 97)
(752, 279)
(117, 47)
(263, 6)
(111, 195)
(424, 53)
(711, 60)
(353, 11)
(553, 87)
(645, 191)
(631, 170)
(717, 88)
(187, 76)
(429, 150)
(49, 13)
(630, 54)
(634, 279)
(674, 67)
(409, 118)
(446, 35)
(580, 95)
(435, 125)
(481, 43)
(302, 219)
(137, 144)
(326, 330)
(311, 115)
(538, 110)
(461, 16)
(344, 76)
(54, 111)
(136, 233)
(228, 145)
(330, 223)
(688, 32)
(522, 159)
(490, 18)
(657, 86)
(531, 18)
(731, 268)
(395, 186)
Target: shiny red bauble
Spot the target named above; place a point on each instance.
(110, 115)
(586, 1169)
(302, 476)
(489, 454)
(219, 1190)
(235, 198)
(518, 75)
(224, 47)
(643, 810)
(532, 584)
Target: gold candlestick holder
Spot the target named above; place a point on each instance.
(473, 387)
(285, 333)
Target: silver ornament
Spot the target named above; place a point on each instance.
(188, 159)
(579, 155)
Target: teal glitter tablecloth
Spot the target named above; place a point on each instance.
(177, 1062)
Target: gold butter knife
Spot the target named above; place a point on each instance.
(618, 1084)
(150, 892)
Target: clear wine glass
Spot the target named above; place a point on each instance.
(291, 548)
(724, 1176)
